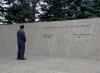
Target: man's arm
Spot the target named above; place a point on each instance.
(24, 36)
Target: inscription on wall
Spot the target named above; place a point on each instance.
(67, 26)
(47, 36)
(74, 34)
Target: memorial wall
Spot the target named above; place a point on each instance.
(69, 39)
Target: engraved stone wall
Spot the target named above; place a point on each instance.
(74, 38)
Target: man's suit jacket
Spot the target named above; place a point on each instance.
(21, 37)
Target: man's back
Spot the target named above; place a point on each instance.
(21, 38)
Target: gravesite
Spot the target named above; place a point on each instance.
(52, 40)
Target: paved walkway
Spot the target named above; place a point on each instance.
(49, 65)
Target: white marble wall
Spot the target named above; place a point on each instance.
(74, 38)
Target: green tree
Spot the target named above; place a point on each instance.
(2, 12)
(71, 9)
(21, 11)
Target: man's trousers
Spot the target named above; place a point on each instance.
(21, 51)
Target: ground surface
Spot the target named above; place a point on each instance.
(49, 65)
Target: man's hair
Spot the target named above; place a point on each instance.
(21, 26)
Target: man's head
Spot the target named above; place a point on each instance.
(21, 26)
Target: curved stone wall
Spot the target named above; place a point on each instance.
(72, 39)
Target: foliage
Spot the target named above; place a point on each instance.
(20, 11)
(72, 9)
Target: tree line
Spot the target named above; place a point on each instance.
(22, 11)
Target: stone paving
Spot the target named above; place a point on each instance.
(49, 65)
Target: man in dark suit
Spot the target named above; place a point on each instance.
(21, 39)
